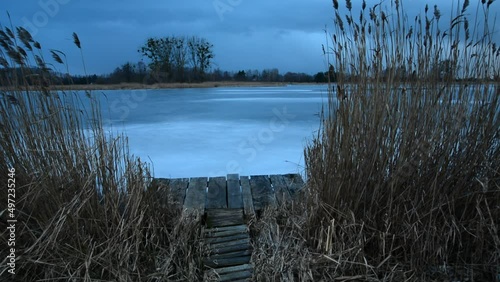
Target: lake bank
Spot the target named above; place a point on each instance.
(208, 84)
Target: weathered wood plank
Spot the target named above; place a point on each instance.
(241, 227)
(280, 189)
(262, 193)
(226, 238)
(229, 231)
(214, 213)
(225, 233)
(235, 275)
(223, 262)
(229, 243)
(294, 182)
(246, 192)
(230, 249)
(229, 269)
(236, 254)
(216, 197)
(224, 221)
(234, 197)
(224, 217)
(178, 187)
(196, 194)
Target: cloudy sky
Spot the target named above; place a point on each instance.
(246, 34)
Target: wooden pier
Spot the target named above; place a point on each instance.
(226, 204)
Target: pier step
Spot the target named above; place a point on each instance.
(227, 246)
(228, 202)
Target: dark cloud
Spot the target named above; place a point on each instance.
(246, 34)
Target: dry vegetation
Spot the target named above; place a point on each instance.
(86, 209)
(403, 178)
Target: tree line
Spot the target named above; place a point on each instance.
(134, 73)
(139, 73)
(190, 59)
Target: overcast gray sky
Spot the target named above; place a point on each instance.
(246, 34)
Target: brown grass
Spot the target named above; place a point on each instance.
(406, 166)
(86, 209)
(404, 177)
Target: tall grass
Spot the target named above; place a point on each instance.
(86, 209)
(406, 166)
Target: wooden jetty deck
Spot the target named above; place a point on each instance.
(226, 204)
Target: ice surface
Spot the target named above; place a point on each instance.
(216, 131)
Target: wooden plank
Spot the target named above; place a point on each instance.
(224, 217)
(230, 249)
(235, 275)
(262, 193)
(196, 194)
(241, 227)
(223, 262)
(229, 269)
(246, 192)
(224, 233)
(280, 189)
(216, 197)
(178, 187)
(234, 197)
(229, 243)
(294, 182)
(224, 221)
(214, 213)
(226, 238)
(242, 253)
(238, 229)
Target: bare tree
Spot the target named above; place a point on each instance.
(173, 55)
(200, 55)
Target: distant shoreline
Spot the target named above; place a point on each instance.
(178, 85)
(132, 86)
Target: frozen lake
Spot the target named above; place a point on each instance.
(216, 131)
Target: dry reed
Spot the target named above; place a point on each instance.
(406, 166)
(87, 210)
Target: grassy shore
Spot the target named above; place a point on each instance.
(208, 84)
